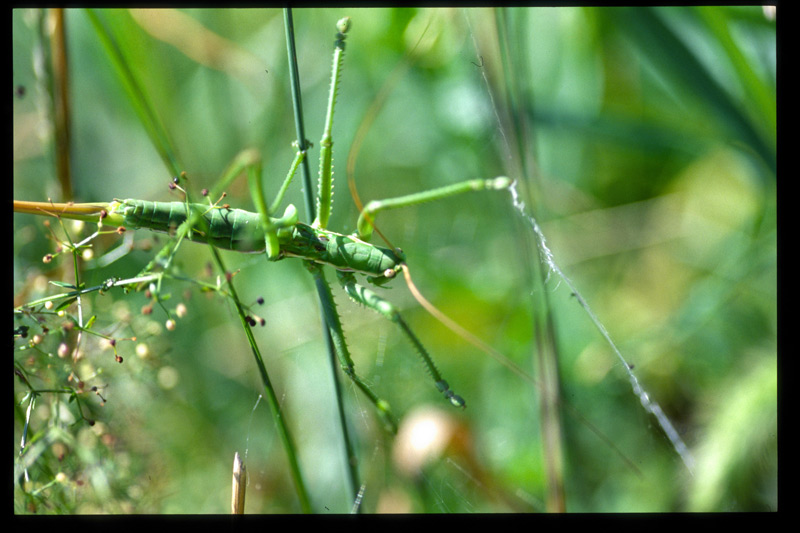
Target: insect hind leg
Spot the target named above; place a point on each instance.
(340, 347)
(369, 299)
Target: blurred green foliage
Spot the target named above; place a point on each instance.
(652, 136)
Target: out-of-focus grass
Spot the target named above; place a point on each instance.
(653, 142)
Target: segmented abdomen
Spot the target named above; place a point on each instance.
(231, 229)
(342, 252)
(235, 229)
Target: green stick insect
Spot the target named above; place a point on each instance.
(279, 237)
(608, 84)
(284, 237)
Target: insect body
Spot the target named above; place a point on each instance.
(345, 253)
(284, 236)
(243, 231)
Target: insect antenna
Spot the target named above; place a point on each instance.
(370, 116)
(453, 326)
(459, 330)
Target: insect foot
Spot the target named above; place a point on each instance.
(499, 183)
(454, 398)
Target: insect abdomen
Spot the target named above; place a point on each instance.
(231, 229)
(342, 252)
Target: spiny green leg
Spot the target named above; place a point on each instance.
(271, 226)
(371, 210)
(348, 367)
(369, 299)
(325, 189)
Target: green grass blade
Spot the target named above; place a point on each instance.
(272, 398)
(673, 58)
(138, 98)
(545, 349)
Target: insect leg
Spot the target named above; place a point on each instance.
(369, 299)
(325, 189)
(257, 192)
(342, 352)
(371, 210)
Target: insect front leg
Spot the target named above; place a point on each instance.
(369, 299)
(270, 225)
(366, 220)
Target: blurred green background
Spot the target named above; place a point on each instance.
(644, 142)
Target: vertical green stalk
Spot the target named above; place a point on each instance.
(546, 353)
(323, 292)
(302, 143)
(272, 398)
